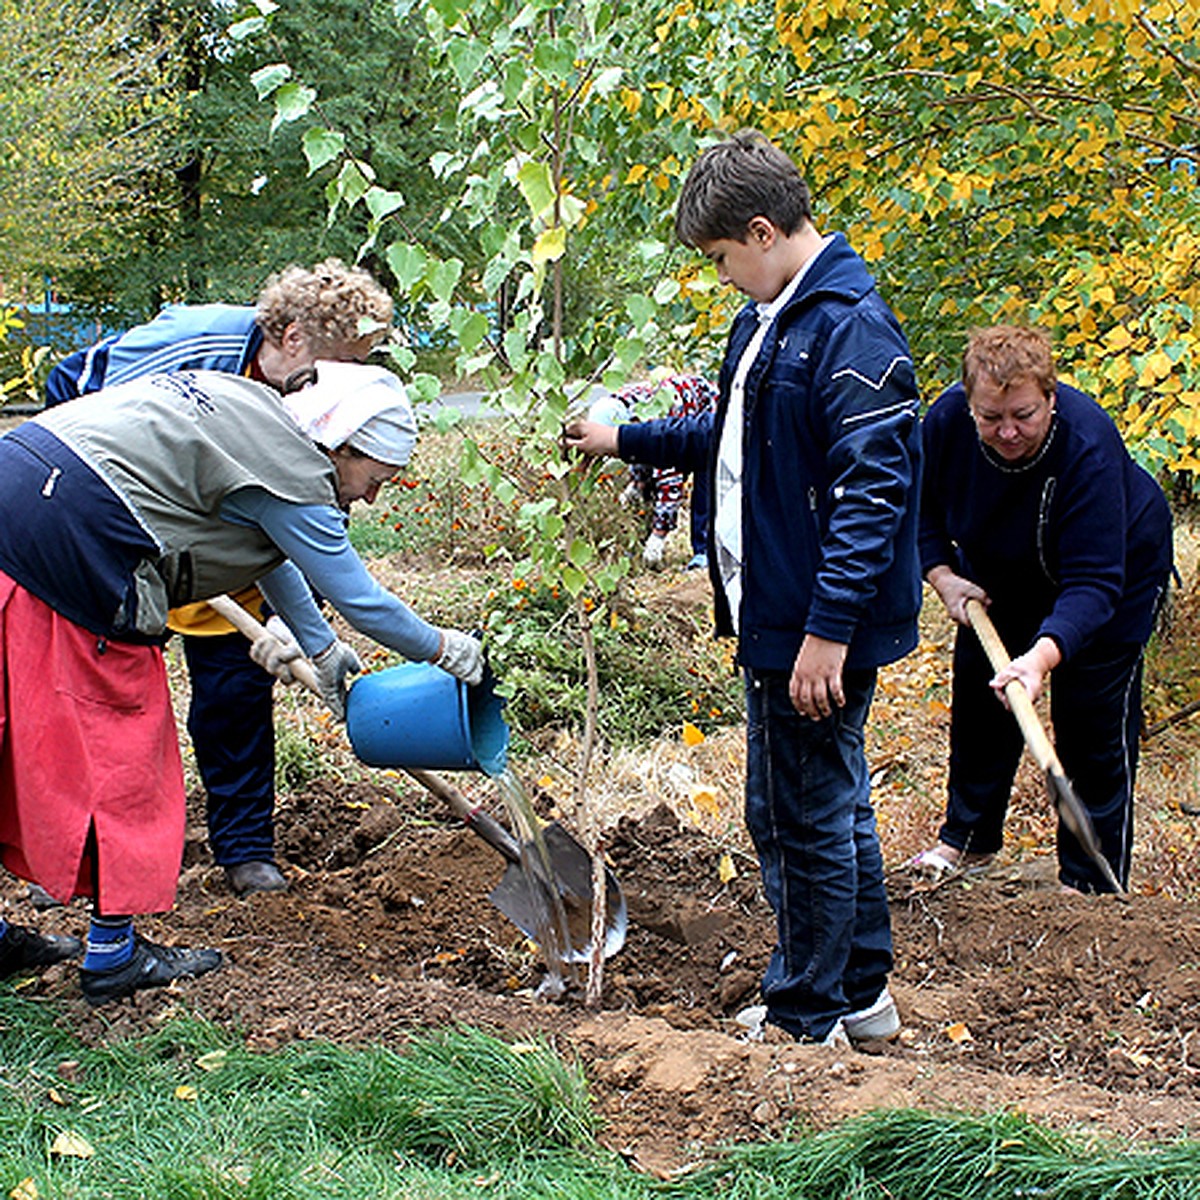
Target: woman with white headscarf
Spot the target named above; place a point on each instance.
(114, 509)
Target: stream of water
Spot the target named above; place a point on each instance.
(551, 924)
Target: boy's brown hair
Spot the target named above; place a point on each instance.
(735, 181)
(1007, 354)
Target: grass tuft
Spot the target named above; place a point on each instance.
(903, 1154)
(465, 1097)
(188, 1113)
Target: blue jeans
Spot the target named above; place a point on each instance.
(808, 809)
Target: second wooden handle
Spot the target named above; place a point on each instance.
(1018, 698)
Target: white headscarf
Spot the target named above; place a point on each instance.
(361, 406)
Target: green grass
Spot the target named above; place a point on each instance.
(188, 1112)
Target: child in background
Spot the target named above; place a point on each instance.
(663, 487)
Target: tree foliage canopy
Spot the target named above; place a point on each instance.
(85, 113)
(1019, 161)
(511, 168)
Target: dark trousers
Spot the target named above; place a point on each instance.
(808, 809)
(1095, 710)
(699, 512)
(231, 723)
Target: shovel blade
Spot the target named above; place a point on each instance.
(1079, 824)
(528, 904)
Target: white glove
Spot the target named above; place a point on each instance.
(652, 551)
(332, 665)
(462, 656)
(274, 648)
(631, 496)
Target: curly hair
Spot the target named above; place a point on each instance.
(1007, 354)
(331, 302)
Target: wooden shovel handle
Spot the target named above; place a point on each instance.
(248, 624)
(1018, 698)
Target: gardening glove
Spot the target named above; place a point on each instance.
(275, 648)
(631, 496)
(462, 656)
(652, 551)
(332, 665)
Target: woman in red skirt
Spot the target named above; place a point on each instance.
(115, 509)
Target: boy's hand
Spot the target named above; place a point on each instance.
(816, 684)
(590, 437)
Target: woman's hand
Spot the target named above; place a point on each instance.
(954, 591)
(1030, 669)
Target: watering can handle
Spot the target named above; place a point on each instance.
(483, 823)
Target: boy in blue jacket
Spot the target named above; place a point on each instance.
(813, 456)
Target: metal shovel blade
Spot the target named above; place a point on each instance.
(1079, 824)
(527, 901)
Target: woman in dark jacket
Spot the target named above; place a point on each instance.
(1032, 505)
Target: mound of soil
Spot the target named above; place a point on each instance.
(1081, 1012)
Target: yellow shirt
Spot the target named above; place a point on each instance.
(200, 620)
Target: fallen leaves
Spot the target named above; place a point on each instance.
(69, 1144)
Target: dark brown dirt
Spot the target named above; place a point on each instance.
(1083, 1013)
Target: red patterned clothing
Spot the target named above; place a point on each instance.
(664, 486)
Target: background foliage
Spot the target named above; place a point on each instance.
(499, 163)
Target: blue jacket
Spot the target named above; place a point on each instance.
(830, 473)
(1074, 545)
(183, 337)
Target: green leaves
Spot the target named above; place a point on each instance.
(407, 263)
(537, 187)
(292, 101)
(470, 328)
(321, 146)
(267, 79)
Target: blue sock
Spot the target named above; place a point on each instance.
(109, 943)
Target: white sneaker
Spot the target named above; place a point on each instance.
(877, 1022)
(837, 1038)
(754, 1021)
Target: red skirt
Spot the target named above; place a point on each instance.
(91, 786)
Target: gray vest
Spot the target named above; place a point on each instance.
(173, 447)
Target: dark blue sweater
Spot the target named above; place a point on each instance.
(1074, 545)
(830, 473)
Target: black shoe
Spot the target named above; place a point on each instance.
(244, 878)
(150, 966)
(22, 949)
(41, 899)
